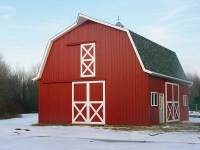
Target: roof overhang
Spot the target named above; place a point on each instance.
(80, 20)
(190, 83)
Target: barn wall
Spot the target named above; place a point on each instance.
(183, 109)
(155, 85)
(54, 103)
(116, 63)
(158, 85)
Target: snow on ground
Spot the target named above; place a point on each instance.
(195, 116)
(194, 120)
(88, 138)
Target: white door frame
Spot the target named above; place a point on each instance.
(174, 109)
(88, 104)
(163, 107)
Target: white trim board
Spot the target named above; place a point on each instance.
(81, 19)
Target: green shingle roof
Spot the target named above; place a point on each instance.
(157, 58)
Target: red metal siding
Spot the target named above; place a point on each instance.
(116, 63)
(54, 103)
(183, 109)
(158, 85)
(155, 85)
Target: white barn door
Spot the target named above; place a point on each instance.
(172, 102)
(88, 102)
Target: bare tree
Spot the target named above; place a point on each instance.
(18, 93)
(194, 94)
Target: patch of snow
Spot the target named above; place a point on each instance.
(14, 135)
(194, 114)
(25, 119)
(194, 120)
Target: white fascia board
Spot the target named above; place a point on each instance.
(47, 50)
(172, 78)
(101, 22)
(136, 52)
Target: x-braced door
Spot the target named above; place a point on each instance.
(88, 102)
(172, 102)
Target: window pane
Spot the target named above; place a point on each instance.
(156, 99)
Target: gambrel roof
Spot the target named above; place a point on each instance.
(157, 58)
(153, 58)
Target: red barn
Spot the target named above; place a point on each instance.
(97, 73)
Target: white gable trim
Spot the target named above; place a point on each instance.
(81, 16)
(48, 48)
(81, 19)
(137, 54)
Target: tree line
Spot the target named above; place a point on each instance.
(194, 92)
(18, 93)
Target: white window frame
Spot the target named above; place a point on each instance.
(154, 102)
(185, 100)
(83, 60)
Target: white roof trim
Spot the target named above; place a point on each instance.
(81, 19)
(137, 54)
(172, 78)
(47, 50)
(101, 22)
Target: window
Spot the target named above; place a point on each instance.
(154, 99)
(185, 100)
(87, 66)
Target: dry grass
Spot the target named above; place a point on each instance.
(9, 116)
(171, 127)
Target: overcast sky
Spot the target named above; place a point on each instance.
(26, 26)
